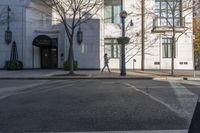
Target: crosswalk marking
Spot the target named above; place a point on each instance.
(154, 98)
(186, 99)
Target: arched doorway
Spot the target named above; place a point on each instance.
(48, 51)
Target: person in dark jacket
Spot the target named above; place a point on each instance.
(106, 62)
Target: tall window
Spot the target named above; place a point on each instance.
(112, 10)
(112, 48)
(164, 12)
(167, 47)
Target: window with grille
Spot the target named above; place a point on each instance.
(167, 48)
(112, 48)
(166, 11)
(112, 10)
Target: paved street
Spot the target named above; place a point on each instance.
(96, 105)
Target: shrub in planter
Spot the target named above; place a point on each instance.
(123, 40)
(13, 65)
(67, 65)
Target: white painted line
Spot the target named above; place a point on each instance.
(47, 88)
(180, 90)
(8, 91)
(139, 131)
(186, 98)
(154, 98)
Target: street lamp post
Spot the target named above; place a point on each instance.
(193, 51)
(8, 33)
(123, 15)
(142, 34)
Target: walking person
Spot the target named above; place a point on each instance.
(106, 62)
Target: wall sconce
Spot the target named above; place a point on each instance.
(62, 56)
(8, 36)
(79, 36)
(8, 33)
(131, 23)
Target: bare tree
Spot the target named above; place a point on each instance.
(73, 13)
(169, 23)
(135, 33)
(175, 24)
(177, 11)
(196, 31)
(134, 46)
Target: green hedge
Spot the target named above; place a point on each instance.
(123, 40)
(67, 65)
(13, 65)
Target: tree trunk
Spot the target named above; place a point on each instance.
(143, 35)
(173, 40)
(71, 57)
(173, 53)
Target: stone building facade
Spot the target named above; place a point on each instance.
(29, 24)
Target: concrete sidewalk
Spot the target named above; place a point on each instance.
(178, 74)
(147, 131)
(61, 74)
(95, 74)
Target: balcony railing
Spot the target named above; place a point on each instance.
(161, 24)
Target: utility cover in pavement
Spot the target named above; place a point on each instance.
(195, 124)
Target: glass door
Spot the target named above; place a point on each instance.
(49, 58)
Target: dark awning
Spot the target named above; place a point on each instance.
(43, 41)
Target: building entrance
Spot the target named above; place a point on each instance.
(49, 58)
(48, 51)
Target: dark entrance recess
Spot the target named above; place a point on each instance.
(195, 123)
(49, 51)
(48, 58)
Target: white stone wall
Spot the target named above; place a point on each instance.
(28, 20)
(16, 26)
(153, 42)
(38, 22)
(88, 53)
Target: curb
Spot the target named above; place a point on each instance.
(130, 131)
(168, 78)
(176, 78)
(71, 77)
(191, 78)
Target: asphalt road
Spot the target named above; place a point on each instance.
(95, 105)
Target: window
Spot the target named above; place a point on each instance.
(112, 10)
(112, 48)
(164, 12)
(167, 47)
